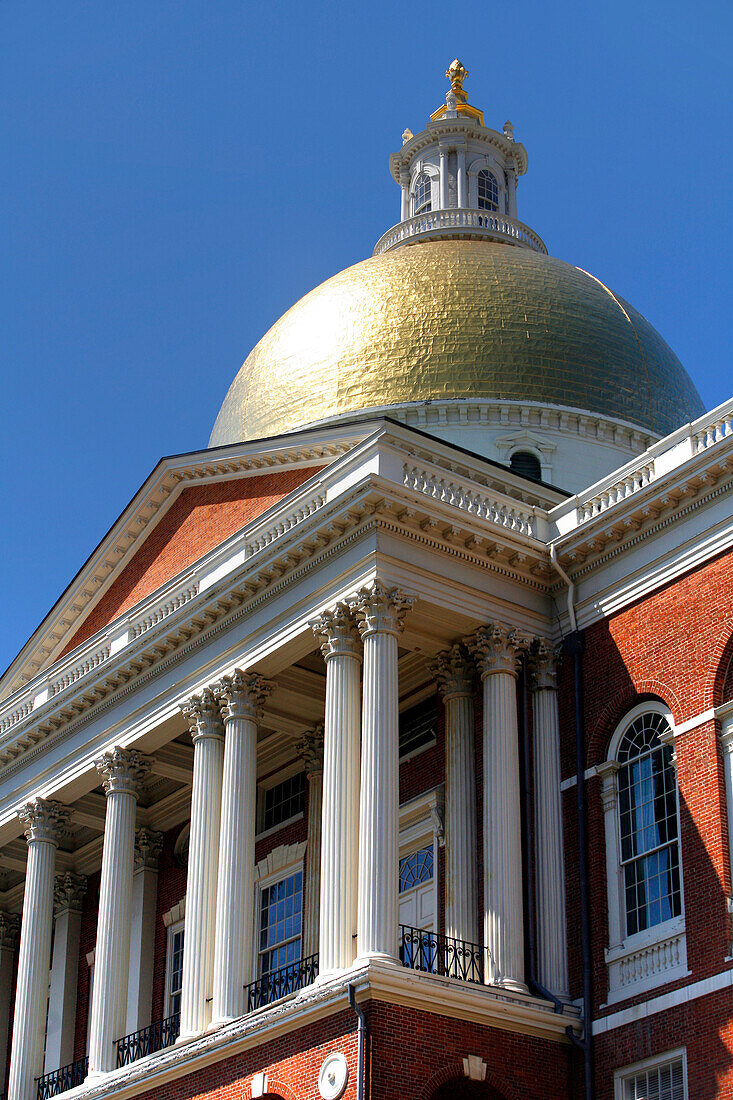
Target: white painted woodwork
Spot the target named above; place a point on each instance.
(142, 930)
(9, 927)
(310, 748)
(61, 1022)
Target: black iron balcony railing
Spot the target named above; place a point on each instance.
(271, 987)
(61, 1080)
(163, 1033)
(435, 954)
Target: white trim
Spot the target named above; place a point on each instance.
(621, 1076)
(681, 996)
(693, 723)
(173, 930)
(279, 863)
(572, 780)
(176, 913)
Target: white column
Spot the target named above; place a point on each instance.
(241, 696)
(405, 204)
(552, 948)
(496, 649)
(443, 182)
(69, 894)
(123, 772)
(207, 732)
(462, 188)
(44, 823)
(148, 845)
(341, 650)
(511, 177)
(454, 673)
(726, 745)
(9, 929)
(380, 612)
(310, 748)
(608, 773)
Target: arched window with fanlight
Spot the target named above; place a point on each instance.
(421, 194)
(488, 190)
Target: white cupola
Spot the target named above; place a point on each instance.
(458, 178)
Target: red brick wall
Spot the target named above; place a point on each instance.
(171, 888)
(201, 518)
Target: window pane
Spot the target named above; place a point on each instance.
(421, 198)
(284, 801)
(488, 190)
(416, 868)
(281, 907)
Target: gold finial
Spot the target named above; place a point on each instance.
(457, 73)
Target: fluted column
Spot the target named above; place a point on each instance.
(462, 178)
(207, 732)
(310, 748)
(496, 649)
(552, 950)
(380, 612)
(443, 180)
(454, 673)
(44, 823)
(608, 774)
(148, 846)
(405, 197)
(240, 696)
(123, 772)
(69, 891)
(342, 651)
(9, 929)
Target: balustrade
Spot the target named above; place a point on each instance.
(280, 983)
(470, 223)
(157, 1036)
(61, 1080)
(433, 953)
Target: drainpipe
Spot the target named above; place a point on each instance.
(574, 647)
(361, 1040)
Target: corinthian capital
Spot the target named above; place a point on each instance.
(45, 820)
(123, 771)
(9, 928)
(336, 632)
(310, 749)
(68, 892)
(453, 669)
(498, 648)
(242, 694)
(148, 846)
(543, 661)
(381, 610)
(203, 715)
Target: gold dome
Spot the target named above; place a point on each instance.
(452, 320)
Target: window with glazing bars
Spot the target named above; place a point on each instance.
(659, 1083)
(421, 195)
(416, 868)
(488, 190)
(418, 727)
(647, 806)
(175, 970)
(281, 914)
(283, 801)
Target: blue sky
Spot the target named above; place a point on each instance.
(176, 174)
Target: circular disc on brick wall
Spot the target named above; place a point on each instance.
(333, 1078)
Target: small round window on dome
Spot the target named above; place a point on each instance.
(526, 464)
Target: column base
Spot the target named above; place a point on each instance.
(376, 956)
(511, 985)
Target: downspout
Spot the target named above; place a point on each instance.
(361, 1034)
(574, 646)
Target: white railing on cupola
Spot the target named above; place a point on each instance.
(466, 224)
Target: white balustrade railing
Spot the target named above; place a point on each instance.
(450, 490)
(621, 489)
(646, 965)
(469, 223)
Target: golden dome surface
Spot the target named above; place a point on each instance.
(457, 320)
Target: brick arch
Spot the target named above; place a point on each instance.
(453, 1070)
(277, 1090)
(719, 680)
(618, 706)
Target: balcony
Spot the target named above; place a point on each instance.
(281, 983)
(61, 1080)
(474, 225)
(158, 1036)
(431, 953)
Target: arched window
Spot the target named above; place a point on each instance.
(421, 197)
(526, 464)
(648, 827)
(488, 190)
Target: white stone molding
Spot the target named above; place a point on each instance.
(207, 731)
(240, 696)
(310, 748)
(552, 949)
(527, 440)
(725, 716)
(285, 857)
(69, 891)
(454, 672)
(175, 913)
(497, 650)
(336, 631)
(123, 773)
(9, 930)
(380, 613)
(148, 846)
(45, 822)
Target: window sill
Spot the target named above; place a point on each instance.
(647, 960)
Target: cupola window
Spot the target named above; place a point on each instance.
(421, 199)
(488, 190)
(526, 464)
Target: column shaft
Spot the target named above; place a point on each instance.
(68, 896)
(122, 771)
(310, 748)
(240, 696)
(203, 862)
(443, 181)
(9, 928)
(43, 821)
(148, 846)
(552, 952)
(340, 789)
(462, 189)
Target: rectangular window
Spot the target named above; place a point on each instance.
(418, 727)
(663, 1081)
(280, 921)
(283, 801)
(174, 979)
